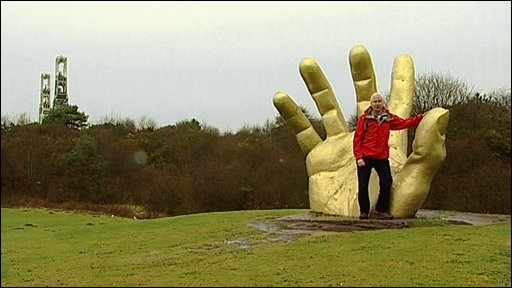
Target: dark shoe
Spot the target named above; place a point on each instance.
(363, 216)
(382, 215)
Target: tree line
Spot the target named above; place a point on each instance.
(191, 167)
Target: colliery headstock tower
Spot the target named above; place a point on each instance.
(44, 100)
(61, 81)
(60, 96)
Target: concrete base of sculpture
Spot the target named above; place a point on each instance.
(308, 223)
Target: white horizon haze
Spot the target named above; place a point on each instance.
(221, 62)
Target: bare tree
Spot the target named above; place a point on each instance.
(146, 123)
(438, 90)
(500, 96)
(7, 122)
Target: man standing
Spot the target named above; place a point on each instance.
(371, 150)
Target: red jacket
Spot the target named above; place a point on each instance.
(371, 138)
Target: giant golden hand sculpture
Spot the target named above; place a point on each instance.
(330, 163)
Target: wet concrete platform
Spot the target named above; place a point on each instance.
(306, 223)
(289, 228)
(311, 222)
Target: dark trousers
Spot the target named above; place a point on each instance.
(385, 182)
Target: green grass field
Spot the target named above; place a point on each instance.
(43, 247)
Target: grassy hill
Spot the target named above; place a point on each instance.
(42, 247)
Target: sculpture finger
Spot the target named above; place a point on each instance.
(401, 101)
(322, 93)
(412, 184)
(307, 137)
(363, 76)
(401, 96)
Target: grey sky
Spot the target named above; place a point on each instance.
(222, 62)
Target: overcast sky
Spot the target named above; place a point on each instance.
(222, 62)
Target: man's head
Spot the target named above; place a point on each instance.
(377, 103)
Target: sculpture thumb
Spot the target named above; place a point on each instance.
(412, 184)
